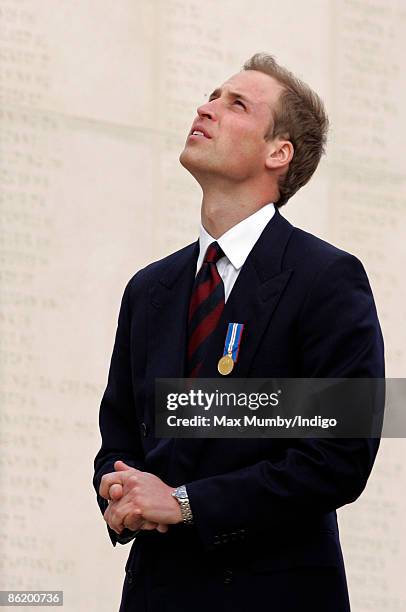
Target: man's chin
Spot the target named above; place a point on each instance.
(190, 161)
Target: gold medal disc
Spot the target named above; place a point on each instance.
(225, 365)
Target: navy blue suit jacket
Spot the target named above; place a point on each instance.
(265, 520)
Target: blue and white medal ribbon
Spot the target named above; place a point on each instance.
(231, 348)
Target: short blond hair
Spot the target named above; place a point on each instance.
(300, 117)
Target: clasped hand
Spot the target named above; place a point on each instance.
(138, 500)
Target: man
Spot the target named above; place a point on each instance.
(252, 524)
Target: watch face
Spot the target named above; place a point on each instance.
(181, 494)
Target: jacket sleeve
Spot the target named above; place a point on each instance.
(119, 432)
(338, 336)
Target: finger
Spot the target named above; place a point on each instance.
(133, 523)
(162, 528)
(108, 480)
(116, 514)
(111, 521)
(116, 492)
(120, 466)
(148, 525)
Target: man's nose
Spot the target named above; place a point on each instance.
(207, 110)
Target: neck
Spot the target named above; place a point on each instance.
(224, 208)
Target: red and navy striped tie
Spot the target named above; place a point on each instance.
(206, 306)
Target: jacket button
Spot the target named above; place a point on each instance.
(228, 576)
(144, 429)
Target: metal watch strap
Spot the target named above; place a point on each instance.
(181, 496)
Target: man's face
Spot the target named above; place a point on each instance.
(234, 123)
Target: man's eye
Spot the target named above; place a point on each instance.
(239, 102)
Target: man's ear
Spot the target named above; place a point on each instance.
(280, 154)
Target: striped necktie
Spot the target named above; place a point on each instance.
(206, 306)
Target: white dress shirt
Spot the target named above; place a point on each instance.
(236, 245)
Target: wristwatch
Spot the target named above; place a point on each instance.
(181, 496)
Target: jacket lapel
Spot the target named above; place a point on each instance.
(168, 315)
(166, 353)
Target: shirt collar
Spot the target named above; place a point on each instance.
(239, 240)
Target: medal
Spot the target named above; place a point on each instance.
(231, 348)
(225, 365)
